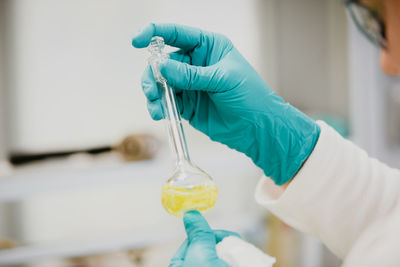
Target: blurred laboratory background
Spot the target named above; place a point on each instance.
(82, 163)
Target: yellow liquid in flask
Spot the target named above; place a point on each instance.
(178, 200)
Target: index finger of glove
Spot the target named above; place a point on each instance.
(181, 36)
(197, 228)
(201, 238)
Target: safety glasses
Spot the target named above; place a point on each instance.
(368, 21)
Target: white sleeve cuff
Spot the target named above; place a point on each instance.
(336, 195)
(289, 204)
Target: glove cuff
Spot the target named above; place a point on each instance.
(293, 136)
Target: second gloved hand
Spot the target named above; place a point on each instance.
(199, 249)
(220, 94)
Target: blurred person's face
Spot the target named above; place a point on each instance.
(390, 56)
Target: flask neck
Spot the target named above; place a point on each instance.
(170, 108)
(184, 161)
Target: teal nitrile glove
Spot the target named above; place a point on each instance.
(221, 95)
(199, 247)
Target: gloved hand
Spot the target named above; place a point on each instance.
(199, 247)
(221, 95)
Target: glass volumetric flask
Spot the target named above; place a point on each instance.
(189, 187)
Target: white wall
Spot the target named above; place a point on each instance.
(75, 77)
(311, 45)
(2, 80)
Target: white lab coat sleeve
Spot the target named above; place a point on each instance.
(338, 194)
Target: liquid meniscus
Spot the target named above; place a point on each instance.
(178, 200)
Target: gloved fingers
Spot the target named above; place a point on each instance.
(221, 234)
(153, 95)
(180, 56)
(179, 102)
(155, 109)
(201, 240)
(179, 257)
(149, 85)
(197, 227)
(181, 36)
(189, 77)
